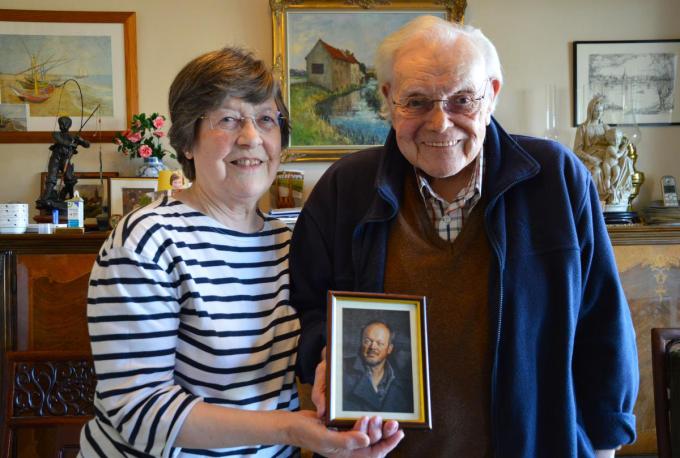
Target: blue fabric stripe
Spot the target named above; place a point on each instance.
(237, 351)
(231, 386)
(143, 370)
(234, 370)
(132, 336)
(157, 420)
(152, 317)
(217, 453)
(133, 355)
(237, 333)
(234, 316)
(252, 400)
(236, 298)
(187, 277)
(188, 400)
(127, 261)
(130, 299)
(232, 248)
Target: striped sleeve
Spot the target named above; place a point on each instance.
(133, 319)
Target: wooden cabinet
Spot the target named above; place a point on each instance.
(44, 290)
(43, 297)
(648, 260)
(43, 300)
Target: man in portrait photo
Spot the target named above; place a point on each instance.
(370, 381)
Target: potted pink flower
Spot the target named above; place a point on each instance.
(143, 140)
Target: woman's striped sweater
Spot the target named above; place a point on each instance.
(183, 309)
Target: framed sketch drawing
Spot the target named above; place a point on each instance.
(127, 194)
(386, 335)
(639, 80)
(323, 55)
(66, 63)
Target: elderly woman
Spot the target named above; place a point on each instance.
(193, 335)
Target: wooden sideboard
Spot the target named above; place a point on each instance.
(648, 259)
(43, 300)
(44, 296)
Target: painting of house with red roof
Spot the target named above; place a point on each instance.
(333, 96)
(332, 68)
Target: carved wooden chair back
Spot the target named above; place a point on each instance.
(47, 391)
(662, 340)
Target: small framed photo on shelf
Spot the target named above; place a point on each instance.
(377, 359)
(93, 191)
(128, 194)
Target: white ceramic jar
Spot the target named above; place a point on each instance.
(13, 218)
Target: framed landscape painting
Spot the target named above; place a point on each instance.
(324, 54)
(388, 334)
(127, 194)
(66, 63)
(640, 80)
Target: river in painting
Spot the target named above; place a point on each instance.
(356, 115)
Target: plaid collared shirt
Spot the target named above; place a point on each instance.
(448, 217)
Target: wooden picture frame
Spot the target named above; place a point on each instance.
(89, 188)
(326, 98)
(383, 331)
(127, 192)
(48, 58)
(637, 77)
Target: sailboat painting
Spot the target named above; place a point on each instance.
(48, 72)
(80, 64)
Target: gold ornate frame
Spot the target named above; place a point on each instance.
(454, 10)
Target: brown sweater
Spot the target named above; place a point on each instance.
(454, 278)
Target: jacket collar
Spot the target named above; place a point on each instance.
(507, 164)
(389, 179)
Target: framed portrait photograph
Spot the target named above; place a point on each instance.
(93, 191)
(324, 55)
(639, 80)
(127, 194)
(66, 63)
(377, 359)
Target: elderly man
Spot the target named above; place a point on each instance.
(532, 349)
(370, 382)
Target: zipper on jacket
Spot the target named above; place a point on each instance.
(494, 368)
(494, 378)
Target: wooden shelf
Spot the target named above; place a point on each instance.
(640, 234)
(89, 242)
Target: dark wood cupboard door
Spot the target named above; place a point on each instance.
(52, 301)
(43, 303)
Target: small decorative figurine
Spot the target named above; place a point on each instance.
(604, 150)
(63, 149)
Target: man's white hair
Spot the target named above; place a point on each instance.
(434, 29)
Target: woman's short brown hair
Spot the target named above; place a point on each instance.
(203, 85)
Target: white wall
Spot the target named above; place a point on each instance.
(533, 38)
(169, 34)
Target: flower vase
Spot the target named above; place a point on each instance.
(152, 165)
